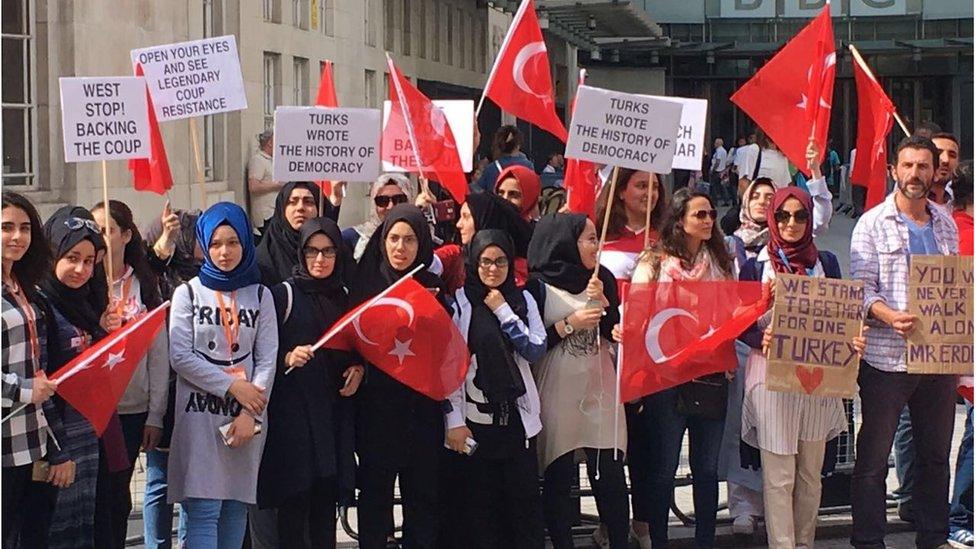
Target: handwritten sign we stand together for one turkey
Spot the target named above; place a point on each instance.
(814, 322)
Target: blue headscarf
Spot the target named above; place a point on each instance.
(246, 272)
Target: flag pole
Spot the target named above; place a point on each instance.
(606, 219)
(620, 364)
(864, 66)
(647, 214)
(108, 241)
(508, 38)
(198, 163)
(421, 178)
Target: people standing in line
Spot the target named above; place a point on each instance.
(791, 430)
(143, 405)
(522, 187)
(387, 191)
(308, 463)
(576, 376)
(718, 174)
(29, 435)
(506, 151)
(498, 404)
(883, 241)
(400, 432)
(296, 203)
(692, 248)
(223, 346)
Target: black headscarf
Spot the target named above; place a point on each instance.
(374, 273)
(277, 250)
(498, 375)
(83, 307)
(491, 211)
(554, 253)
(327, 294)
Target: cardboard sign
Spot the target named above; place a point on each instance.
(624, 129)
(104, 118)
(690, 150)
(193, 78)
(460, 117)
(326, 143)
(814, 321)
(940, 294)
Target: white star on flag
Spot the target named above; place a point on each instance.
(114, 359)
(401, 349)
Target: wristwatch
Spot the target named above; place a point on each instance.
(567, 327)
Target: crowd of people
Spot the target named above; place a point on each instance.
(257, 436)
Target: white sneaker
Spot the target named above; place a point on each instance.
(644, 541)
(744, 525)
(600, 537)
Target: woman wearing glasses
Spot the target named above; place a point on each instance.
(387, 191)
(308, 458)
(791, 430)
(576, 376)
(498, 404)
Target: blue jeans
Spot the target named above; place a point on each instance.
(215, 523)
(157, 515)
(666, 428)
(904, 457)
(961, 505)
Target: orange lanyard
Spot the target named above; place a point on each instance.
(28, 311)
(126, 286)
(228, 322)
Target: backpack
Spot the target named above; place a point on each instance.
(551, 200)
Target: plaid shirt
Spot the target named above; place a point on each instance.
(879, 257)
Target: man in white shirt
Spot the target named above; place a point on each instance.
(260, 180)
(555, 163)
(720, 161)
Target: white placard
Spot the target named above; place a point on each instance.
(104, 118)
(624, 129)
(690, 151)
(460, 117)
(193, 78)
(326, 143)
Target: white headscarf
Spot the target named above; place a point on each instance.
(373, 220)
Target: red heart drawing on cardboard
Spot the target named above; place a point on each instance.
(810, 378)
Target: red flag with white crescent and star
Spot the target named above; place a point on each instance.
(95, 380)
(581, 179)
(408, 335)
(326, 98)
(674, 332)
(520, 82)
(875, 117)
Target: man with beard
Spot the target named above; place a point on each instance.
(946, 166)
(904, 224)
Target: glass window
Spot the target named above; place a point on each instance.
(436, 45)
(369, 23)
(272, 11)
(212, 124)
(19, 104)
(299, 14)
(407, 5)
(272, 92)
(389, 24)
(369, 85)
(462, 43)
(300, 83)
(449, 16)
(422, 30)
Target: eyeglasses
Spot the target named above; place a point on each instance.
(500, 262)
(800, 216)
(384, 201)
(312, 252)
(702, 214)
(76, 223)
(591, 241)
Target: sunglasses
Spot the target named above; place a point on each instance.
(311, 252)
(384, 201)
(486, 263)
(783, 216)
(702, 214)
(76, 223)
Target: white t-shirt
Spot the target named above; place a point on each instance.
(262, 205)
(774, 165)
(720, 159)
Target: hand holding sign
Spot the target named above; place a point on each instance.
(326, 143)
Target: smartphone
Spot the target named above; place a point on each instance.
(225, 428)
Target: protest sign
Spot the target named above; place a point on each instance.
(814, 321)
(690, 150)
(337, 144)
(193, 78)
(940, 294)
(460, 116)
(104, 118)
(623, 129)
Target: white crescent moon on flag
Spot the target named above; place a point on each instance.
(518, 66)
(394, 301)
(652, 340)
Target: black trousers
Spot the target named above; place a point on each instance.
(16, 482)
(37, 503)
(113, 500)
(610, 491)
(418, 488)
(308, 519)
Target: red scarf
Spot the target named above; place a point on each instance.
(802, 254)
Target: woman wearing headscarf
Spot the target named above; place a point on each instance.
(498, 405)
(791, 430)
(223, 346)
(308, 457)
(389, 190)
(576, 376)
(77, 294)
(400, 431)
(297, 202)
(522, 187)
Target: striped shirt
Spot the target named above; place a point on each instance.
(879, 257)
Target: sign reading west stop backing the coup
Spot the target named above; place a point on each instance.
(325, 143)
(622, 129)
(104, 118)
(193, 78)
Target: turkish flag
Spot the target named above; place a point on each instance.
(875, 116)
(420, 125)
(151, 174)
(326, 98)
(408, 335)
(965, 388)
(519, 81)
(95, 380)
(791, 94)
(581, 179)
(674, 332)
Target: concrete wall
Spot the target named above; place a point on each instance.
(648, 81)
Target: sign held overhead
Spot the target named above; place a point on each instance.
(330, 143)
(104, 118)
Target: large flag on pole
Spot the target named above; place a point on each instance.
(875, 117)
(581, 179)
(789, 97)
(326, 98)
(520, 82)
(151, 174)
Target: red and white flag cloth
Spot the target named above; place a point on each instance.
(407, 334)
(792, 93)
(875, 117)
(416, 120)
(326, 98)
(674, 332)
(95, 380)
(520, 82)
(581, 178)
(965, 388)
(151, 174)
